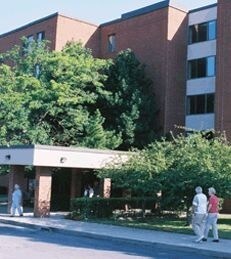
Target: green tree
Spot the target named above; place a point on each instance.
(70, 98)
(51, 97)
(195, 161)
(175, 168)
(141, 171)
(129, 109)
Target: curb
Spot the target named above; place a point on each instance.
(194, 250)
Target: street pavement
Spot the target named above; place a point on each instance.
(22, 242)
(57, 223)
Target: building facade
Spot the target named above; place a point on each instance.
(186, 54)
(157, 34)
(201, 69)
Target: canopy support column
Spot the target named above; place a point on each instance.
(42, 192)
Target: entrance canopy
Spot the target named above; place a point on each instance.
(44, 158)
(57, 156)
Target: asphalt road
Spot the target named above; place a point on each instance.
(22, 243)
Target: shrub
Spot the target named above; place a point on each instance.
(103, 208)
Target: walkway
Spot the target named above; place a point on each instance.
(58, 223)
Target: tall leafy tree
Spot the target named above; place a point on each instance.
(71, 98)
(195, 161)
(130, 108)
(175, 168)
(50, 97)
(141, 171)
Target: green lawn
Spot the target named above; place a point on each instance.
(176, 225)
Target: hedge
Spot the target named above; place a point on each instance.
(103, 207)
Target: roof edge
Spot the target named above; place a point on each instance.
(78, 20)
(145, 10)
(30, 24)
(42, 20)
(63, 148)
(203, 8)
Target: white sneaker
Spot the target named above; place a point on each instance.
(198, 240)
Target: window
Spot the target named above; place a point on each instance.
(212, 30)
(40, 36)
(202, 32)
(37, 71)
(111, 43)
(210, 66)
(27, 45)
(30, 38)
(200, 104)
(202, 67)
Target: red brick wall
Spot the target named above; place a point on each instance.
(152, 37)
(7, 41)
(176, 55)
(58, 30)
(158, 38)
(146, 35)
(223, 79)
(69, 29)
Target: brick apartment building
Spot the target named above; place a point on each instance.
(187, 55)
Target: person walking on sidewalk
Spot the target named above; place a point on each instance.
(199, 213)
(16, 201)
(213, 209)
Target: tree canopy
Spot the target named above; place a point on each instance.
(175, 168)
(129, 109)
(69, 98)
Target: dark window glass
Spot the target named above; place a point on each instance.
(191, 105)
(210, 103)
(212, 30)
(111, 43)
(40, 36)
(192, 69)
(27, 45)
(210, 66)
(201, 67)
(37, 70)
(193, 32)
(202, 32)
(30, 38)
(200, 104)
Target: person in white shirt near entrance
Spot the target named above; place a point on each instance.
(16, 201)
(199, 213)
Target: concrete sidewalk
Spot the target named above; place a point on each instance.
(58, 223)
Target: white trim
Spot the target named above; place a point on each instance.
(202, 49)
(203, 16)
(51, 156)
(201, 86)
(200, 121)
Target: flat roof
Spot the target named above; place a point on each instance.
(202, 8)
(145, 10)
(59, 156)
(63, 148)
(29, 24)
(125, 16)
(42, 20)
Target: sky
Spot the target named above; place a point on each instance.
(16, 13)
